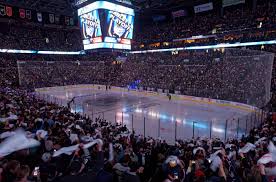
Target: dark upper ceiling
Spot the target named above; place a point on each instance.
(63, 7)
(66, 7)
(166, 5)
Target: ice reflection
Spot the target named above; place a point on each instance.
(154, 116)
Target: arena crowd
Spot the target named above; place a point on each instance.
(44, 142)
(236, 24)
(41, 141)
(200, 73)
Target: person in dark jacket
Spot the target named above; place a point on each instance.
(95, 175)
(133, 174)
(120, 169)
(9, 172)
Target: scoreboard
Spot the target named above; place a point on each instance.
(105, 24)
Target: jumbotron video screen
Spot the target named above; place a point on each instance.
(106, 25)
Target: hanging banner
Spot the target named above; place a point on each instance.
(179, 13)
(226, 3)
(39, 17)
(71, 21)
(51, 18)
(57, 19)
(9, 11)
(67, 20)
(22, 13)
(29, 14)
(2, 10)
(203, 7)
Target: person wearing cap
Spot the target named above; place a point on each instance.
(173, 169)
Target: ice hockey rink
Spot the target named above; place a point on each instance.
(153, 114)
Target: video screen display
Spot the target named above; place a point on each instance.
(119, 25)
(91, 27)
(106, 25)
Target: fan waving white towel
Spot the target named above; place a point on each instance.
(16, 142)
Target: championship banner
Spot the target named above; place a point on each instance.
(179, 13)
(2, 10)
(203, 7)
(71, 21)
(22, 13)
(9, 11)
(57, 19)
(67, 20)
(226, 3)
(51, 18)
(39, 17)
(29, 14)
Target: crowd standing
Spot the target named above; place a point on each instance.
(197, 73)
(44, 142)
(41, 141)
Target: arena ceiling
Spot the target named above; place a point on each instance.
(166, 5)
(64, 7)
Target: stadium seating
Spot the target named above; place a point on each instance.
(101, 151)
(37, 37)
(233, 26)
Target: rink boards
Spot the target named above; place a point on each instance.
(152, 114)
